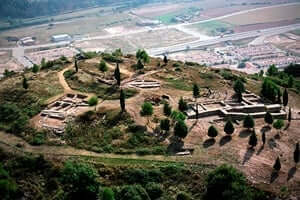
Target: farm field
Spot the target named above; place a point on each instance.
(130, 43)
(285, 12)
(83, 26)
(212, 28)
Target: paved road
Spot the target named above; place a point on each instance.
(215, 40)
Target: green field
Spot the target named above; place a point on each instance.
(212, 28)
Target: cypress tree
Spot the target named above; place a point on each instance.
(122, 100)
(263, 138)
(285, 98)
(117, 75)
(229, 128)
(253, 140)
(76, 65)
(277, 164)
(25, 83)
(269, 118)
(297, 153)
(165, 59)
(290, 115)
(167, 109)
(249, 122)
(165, 124)
(212, 131)
(196, 94)
(182, 105)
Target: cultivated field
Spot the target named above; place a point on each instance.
(130, 43)
(266, 15)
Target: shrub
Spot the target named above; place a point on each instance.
(133, 192)
(147, 109)
(226, 183)
(180, 129)
(38, 139)
(80, 181)
(183, 196)
(154, 190)
(69, 73)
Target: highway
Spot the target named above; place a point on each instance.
(216, 40)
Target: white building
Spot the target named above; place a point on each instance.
(60, 38)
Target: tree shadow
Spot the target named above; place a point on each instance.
(224, 140)
(287, 126)
(175, 145)
(272, 143)
(265, 129)
(249, 153)
(209, 142)
(245, 133)
(277, 136)
(274, 176)
(260, 149)
(291, 173)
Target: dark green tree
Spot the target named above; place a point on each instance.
(35, 68)
(180, 129)
(212, 132)
(142, 55)
(139, 65)
(290, 115)
(263, 138)
(80, 181)
(196, 95)
(133, 192)
(146, 110)
(76, 64)
(8, 188)
(182, 105)
(269, 118)
(165, 125)
(297, 153)
(229, 128)
(291, 81)
(154, 190)
(261, 73)
(108, 194)
(227, 183)
(249, 122)
(272, 70)
(183, 196)
(165, 59)
(277, 164)
(253, 140)
(167, 109)
(25, 83)
(122, 100)
(285, 98)
(117, 75)
(270, 90)
(239, 89)
(177, 115)
(93, 101)
(103, 66)
(278, 124)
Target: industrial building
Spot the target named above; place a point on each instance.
(61, 38)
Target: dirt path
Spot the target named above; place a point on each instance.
(11, 141)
